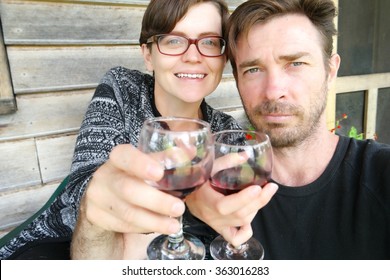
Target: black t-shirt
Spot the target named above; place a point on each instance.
(344, 214)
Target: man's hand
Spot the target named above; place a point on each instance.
(230, 215)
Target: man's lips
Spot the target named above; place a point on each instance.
(276, 118)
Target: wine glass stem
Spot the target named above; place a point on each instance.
(234, 249)
(176, 240)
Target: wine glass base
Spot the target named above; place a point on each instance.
(220, 249)
(194, 249)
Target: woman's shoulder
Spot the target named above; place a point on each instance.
(123, 75)
(220, 120)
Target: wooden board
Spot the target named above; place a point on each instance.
(362, 82)
(16, 207)
(59, 23)
(226, 96)
(18, 165)
(55, 156)
(7, 100)
(45, 114)
(45, 69)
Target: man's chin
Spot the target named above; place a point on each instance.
(281, 137)
(273, 128)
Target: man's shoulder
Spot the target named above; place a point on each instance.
(364, 158)
(370, 148)
(371, 160)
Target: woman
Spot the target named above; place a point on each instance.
(181, 42)
(118, 203)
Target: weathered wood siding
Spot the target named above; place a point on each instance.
(53, 54)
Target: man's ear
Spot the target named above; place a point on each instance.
(146, 53)
(334, 65)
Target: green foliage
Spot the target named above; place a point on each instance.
(353, 133)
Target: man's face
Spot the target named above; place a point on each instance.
(282, 79)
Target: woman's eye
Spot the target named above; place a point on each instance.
(174, 42)
(171, 41)
(208, 42)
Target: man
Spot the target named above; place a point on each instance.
(333, 200)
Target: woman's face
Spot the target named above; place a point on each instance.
(189, 77)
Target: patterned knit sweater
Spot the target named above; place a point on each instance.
(121, 103)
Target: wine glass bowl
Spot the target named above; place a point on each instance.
(242, 158)
(184, 147)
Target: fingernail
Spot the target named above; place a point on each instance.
(275, 186)
(155, 171)
(272, 185)
(177, 209)
(256, 190)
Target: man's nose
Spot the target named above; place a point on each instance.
(275, 85)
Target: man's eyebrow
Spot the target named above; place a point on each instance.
(294, 56)
(287, 57)
(249, 63)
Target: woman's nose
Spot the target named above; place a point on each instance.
(192, 53)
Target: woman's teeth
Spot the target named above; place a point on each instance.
(190, 76)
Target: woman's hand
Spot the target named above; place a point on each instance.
(117, 201)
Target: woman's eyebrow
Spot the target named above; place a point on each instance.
(203, 34)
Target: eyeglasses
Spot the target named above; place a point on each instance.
(168, 44)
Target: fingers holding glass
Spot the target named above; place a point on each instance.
(184, 149)
(255, 170)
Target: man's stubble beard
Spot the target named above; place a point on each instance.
(281, 135)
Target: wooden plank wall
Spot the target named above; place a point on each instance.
(57, 53)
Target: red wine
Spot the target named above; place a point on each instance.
(234, 179)
(180, 182)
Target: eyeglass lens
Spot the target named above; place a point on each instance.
(176, 45)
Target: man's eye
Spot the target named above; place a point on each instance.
(297, 63)
(252, 70)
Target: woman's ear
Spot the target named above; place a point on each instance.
(146, 53)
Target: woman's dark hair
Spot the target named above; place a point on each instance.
(161, 16)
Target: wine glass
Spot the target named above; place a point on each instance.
(185, 149)
(243, 158)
